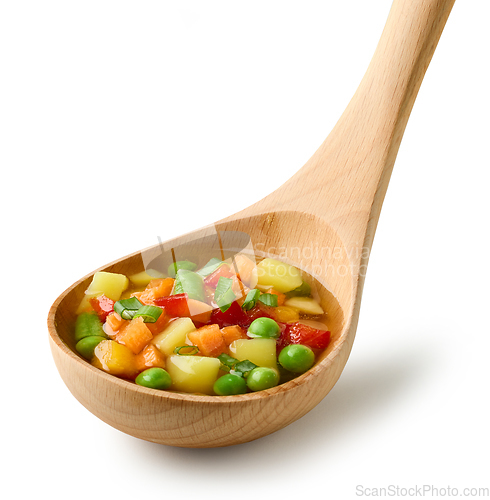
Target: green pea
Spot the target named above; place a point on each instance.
(87, 325)
(181, 264)
(297, 358)
(87, 345)
(265, 328)
(154, 378)
(262, 378)
(230, 384)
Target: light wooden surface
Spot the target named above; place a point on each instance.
(332, 203)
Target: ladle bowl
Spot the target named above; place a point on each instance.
(322, 220)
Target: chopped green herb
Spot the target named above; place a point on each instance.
(180, 264)
(244, 367)
(210, 267)
(186, 350)
(268, 299)
(304, 290)
(190, 283)
(223, 295)
(251, 299)
(127, 308)
(232, 365)
(149, 313)
(227, 360)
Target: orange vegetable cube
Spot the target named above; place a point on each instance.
(159, 324)
(156, 289)
(232, 333)
(246, 269)
(209, 340)
(149, 357)
(199, 311)
(161, 287)
(114, 322)
(281, 297)
(239, 289)
(134, 335)
(146, 297)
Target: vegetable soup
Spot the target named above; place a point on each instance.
(229, 327)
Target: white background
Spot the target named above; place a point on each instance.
(122, 122)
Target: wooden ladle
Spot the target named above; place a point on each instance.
(322, 220)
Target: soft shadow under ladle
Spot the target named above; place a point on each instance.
(330, 208)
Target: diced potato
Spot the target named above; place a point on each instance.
(193, 373)
(111, 285)
(262, 352)
(285, 314)
(305, 305)
(85, 305)
(174, 335)
(279, 275)
(144, 277)
(114, 358)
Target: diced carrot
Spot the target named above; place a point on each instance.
(161, 287)
(135, 335)
(199, 311)
(281, 297)
(209, 340)
(232, 333)
(115, 322)
(246, 268)
(146, 297)
(239, 289)
(156, 289)
(159, 324)
(149, 357)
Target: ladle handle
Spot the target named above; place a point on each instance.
(349, 173)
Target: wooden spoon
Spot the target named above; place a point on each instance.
(322, 220)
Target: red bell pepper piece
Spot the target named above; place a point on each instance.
(234, 315)
(103, 306)
(222, 271)
(175, 305)
(260, 311)
(298, 333)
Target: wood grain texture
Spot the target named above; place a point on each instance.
(323, 220)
